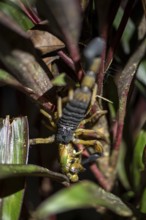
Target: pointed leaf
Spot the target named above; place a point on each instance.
(143, 203)
(60, 80)
(121, 169)
(81, 195)
(64, 21)
(138, 165)
(6, 78)
(141, 73)
(19, 56)
(15, 170)
(14, 140)
(44, 41)
(13, 149)
(12, 10)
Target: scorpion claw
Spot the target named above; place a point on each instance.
(91, 159)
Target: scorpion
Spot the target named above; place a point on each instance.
(73, 117)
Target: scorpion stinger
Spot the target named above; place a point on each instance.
(93, 52)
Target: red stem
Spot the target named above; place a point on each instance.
(74, 66)
(100, 177)
(115, 42)
(30, 13)
(75, 55)
(66, 59)
(118, 136)
(96, 172)
(101, 73)
(104, 34)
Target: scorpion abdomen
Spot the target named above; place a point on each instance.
(73, 113)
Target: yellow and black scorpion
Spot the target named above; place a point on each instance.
(73, 117)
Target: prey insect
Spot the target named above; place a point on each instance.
(72, 118)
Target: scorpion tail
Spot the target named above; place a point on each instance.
(93, 50)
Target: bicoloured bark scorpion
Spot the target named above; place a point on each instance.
(74, 116)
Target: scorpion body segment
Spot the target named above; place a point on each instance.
(75, 110)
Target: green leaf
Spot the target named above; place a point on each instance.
(13, 11)
(63, 80)
(138, 165)
(13, 149)
(59, 80)
(128, 32)
(141, 73)
(81, 195)
(14, 143)
(6, 78)
(14, 140)
(11, 203)
(141, 87)
(143, 203)
(121, 169)
(16, 170)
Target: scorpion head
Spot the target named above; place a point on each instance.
(64, 135)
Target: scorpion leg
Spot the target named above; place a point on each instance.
(49, 117)
(61, 100)
(96, 115)
(93, 98)
(91, 133)
(78, 152)
(59, 107)
(70, 94)
(48, 140)
(90, 143)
